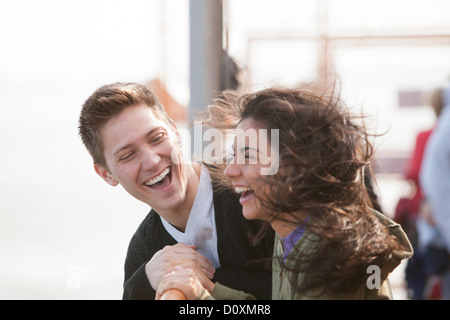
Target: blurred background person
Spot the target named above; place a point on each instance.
(413, 214)
(435, 181)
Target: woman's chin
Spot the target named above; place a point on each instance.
(250, 214)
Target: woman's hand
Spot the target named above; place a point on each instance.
(184, 280)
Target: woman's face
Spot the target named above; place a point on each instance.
(250, 152)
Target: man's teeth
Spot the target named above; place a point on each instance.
(241, 189)
(158, 178)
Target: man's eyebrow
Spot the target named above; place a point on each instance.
(122, 148)
(130, 144)
(152, 131)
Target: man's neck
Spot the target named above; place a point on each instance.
(180, 216)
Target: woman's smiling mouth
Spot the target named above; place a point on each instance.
(246, 192)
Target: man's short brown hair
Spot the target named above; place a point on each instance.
(107, 102)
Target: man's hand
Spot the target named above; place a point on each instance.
(161, 262)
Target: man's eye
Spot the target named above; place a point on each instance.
(126, 157)
(158, 138)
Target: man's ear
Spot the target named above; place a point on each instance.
(104, 173)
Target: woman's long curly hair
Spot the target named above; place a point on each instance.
(324, 153)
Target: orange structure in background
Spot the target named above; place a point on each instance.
(174, 109)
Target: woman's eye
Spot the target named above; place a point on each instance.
(245, 158)
(230, 152)
(250, 155)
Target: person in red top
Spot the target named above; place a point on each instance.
(414, 168)
(409, 209)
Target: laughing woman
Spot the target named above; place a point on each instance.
(330, 243)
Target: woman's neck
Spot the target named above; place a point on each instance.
(285, 224)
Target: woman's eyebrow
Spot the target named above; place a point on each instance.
(247, 148)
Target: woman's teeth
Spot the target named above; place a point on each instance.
(241, 189)
(159, 178)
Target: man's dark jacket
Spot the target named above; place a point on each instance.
(243, 266)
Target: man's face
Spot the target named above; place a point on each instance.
(138, 148)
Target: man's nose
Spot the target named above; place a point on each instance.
(150, 159)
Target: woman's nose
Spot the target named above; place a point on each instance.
(232, 170)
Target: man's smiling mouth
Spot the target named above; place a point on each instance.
(162, 180)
